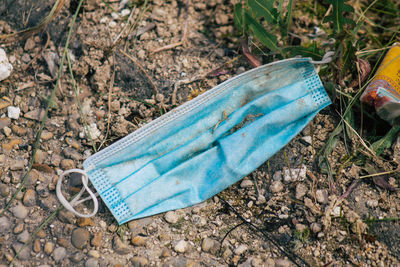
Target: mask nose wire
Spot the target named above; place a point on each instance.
(70, 205)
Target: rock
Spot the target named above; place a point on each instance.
(4, 190)
(94, 132)
(336, 212)
(119, 246)
(276, 187)
(322, 196)
(293, 175)
(5, 66)
(94, 254)
(67, 164)
(40, 156)
(32, 178)
(36, 114)
(240, 249)
(71, 153)
(19, 211)
(62, 241)
(301, 190)
(307, 139)
(4, 122)
(300, 227)
(92, 262)
(316, 227)
(19, 130)
(209, 245)
(7, 131)
(66, 216)
(246, 183)
(181, 246)
(372, 203)
(79, 237)
(29, 44)
(36, 246)
(171, 217)
(55, 160)
(139, 261)
(29, 199)
(82, 222)
(59, 254)
(283, 263)
(97, 239)
(19, 228)
(139, 241)
(25, 253)
(77, 257)
(16, 165)
(23, 237)
(41, 234)
(5, 225)
(46, 135)
(198, 220)
(48, 247)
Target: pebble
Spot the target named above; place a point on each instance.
(62, 241)
(82, 222)
(4, 190)
(209, 245)
(5, 225)
(283, 263)
(94, 254)
(171, 217)
(276, 186)
(240, 249)
(32, 178)
(97, 239)
(316, 227)
(307, 139)
(66, 216)
(139, 261)
(77, 257)
(181, 246)
(19, 211)
(19, 130)
(46, 135)
(293, 175)
(336, 212)
(29, 44)
(16, 165)
(5, 66)
(79, 237)
(300, 227)
(19, 228)
(322, 196)
(7, 131)
(29, 199)
(198, 220)
(4, 122)
(125, 12)
(119, 246)
(67, 164)
(301, 190)
(48, 248)
(36, 114)
(40, 156)
(139, 241)
(25, 254)
(246, 183)
(92, 262)
(71, 153)
(36, 246)
(23, 237)
(372, 203)
(59, 254)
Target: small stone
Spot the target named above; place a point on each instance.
(19, 130)
(46, 135)
(19, 228)
(119, 246)
(29, 44)
(139, 261)
(66, 216)
(32, 178)
(293, 175)
(36, 246)
(141, 54)
(59, 254)
(316, 227)
(198, 220)
(71, 153)
(62, 241)
(5, 225)
(48, 248)
(94, 254)
(4, 122)
(246, 183)
(77, 257)
(322, 196)
(171, 217)
(372, 203)
(301, 190)
(240, 249)
(307, 139)
(40, 156)
(97, 239)
(36, 114)
(29, 199)
(7, 131)
(227, 254)
(23, 237)
(41, 234)
(5, 66)
(300, 227)
(181, 246)
(24, 254)
(16, 165)
(79, 237)
(92, 262)
(283, 263)
(67, 164)
(82, 222)
(125, 12)
(276, 187)
(165, 253)
(336, 212)
(19, 211)
(209, 245)
(139, 241)
(4, 190)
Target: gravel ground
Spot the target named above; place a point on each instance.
(288, 200)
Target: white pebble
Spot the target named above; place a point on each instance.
(114, 15)
(13, 112)
(112, 24)
(125, 12)
(181, 246)
(5, 66)
(336, 212)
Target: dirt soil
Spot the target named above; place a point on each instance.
(298, 215)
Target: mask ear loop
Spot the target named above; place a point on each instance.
(70, 205)
(325, 59)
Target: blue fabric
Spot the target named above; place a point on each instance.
(200, 148)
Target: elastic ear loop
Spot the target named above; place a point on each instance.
(325, 59)
(70, 205)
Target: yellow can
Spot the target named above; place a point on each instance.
(384, 90)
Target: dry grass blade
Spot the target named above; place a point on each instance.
(30, 31)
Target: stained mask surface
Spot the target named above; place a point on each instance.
(205, 145)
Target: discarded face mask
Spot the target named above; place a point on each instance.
(207, 144)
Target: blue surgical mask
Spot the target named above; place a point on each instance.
(207, 144)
